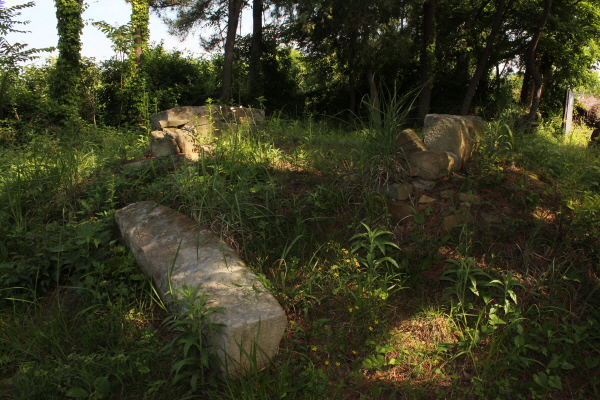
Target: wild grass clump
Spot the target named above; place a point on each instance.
(387, 117)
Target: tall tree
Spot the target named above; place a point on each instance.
(191, 14)
(566, 52)
(140, 18)
(66, 80)
(484, 58)
(233, 15)
(531, 60)
(254, 69)
(427, 57)
(135, 82)
(354, 33)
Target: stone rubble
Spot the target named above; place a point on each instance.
(186, 130)
(449, 142)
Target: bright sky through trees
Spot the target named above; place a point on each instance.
(95, 44)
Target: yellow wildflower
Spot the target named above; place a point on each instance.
(337, 364)
(326, 362)
(370, 328)
(314, 348)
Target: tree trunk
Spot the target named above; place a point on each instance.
(66, 79)
(254, 73)
(537, 77)
(140, 18)
(427, 54)
(137, 43)
(135, 83)
(235, 6)
(482, 64)
(526, 89)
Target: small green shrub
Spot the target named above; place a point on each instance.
(194, 333)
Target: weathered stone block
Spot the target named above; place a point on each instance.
(458, 135)
(397, 191)
(173, 250)
(162, 144)
(208, 119)
(408, 141)
(429, 164)
(186, 140)
(172, 141)
(176, 123)
(423, 184)
(459, 218)
(193, 115)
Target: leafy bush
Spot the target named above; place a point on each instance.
(171, 81)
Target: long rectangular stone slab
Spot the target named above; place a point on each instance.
(166, 244)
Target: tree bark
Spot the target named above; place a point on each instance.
(482, 64)
(531, 53)
(427, 54)
(254, 75)
(526, 89)
(234, 8)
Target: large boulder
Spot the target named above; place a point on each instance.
(174, 251)
(457, 135)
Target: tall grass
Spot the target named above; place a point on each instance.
(379, 158)
(513, 316)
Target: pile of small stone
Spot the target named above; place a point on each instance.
(447, 145)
